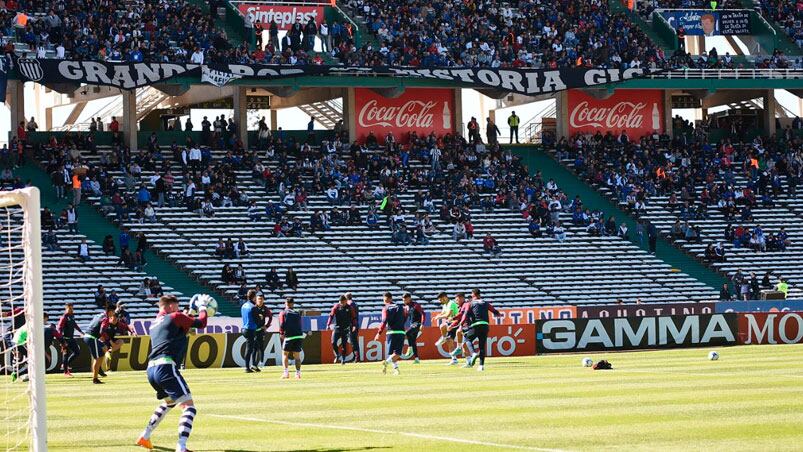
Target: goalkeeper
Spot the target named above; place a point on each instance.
(168, 346)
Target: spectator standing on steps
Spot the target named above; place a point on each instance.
(513, 122)
(491, 131)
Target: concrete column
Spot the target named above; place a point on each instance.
(49, 118)
(668, 112)
(239, 101)
(350, 113)
(562, 114)
(15, 98)
(274, 119)
(770, 104)
(457, 114)
(128, 123)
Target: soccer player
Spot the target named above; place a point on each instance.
(168, 347)
(292, 334)
(354, 337)
(249, 329)
(457, 328)
(344, 318)
(97, 341)
(264, 318)
(417, 317)
(448, 312)
(476, 317)
(67, 327)
(393, 318)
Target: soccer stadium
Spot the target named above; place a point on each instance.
(348, 225)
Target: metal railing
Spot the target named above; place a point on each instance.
(731, 74)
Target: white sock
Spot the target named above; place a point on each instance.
(158, 414)
(185, 426)
(390, 359)
(395, 365)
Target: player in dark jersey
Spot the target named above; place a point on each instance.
(354, 337)
(393, 319)
(455, 328)
(344, 319)
(476, 316)
(292, 334)
(417, 317)
(67, 327)
(100, 339)
(168, 347)
(263, 317)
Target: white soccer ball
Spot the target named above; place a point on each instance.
(588, 362)
(713, 356)
(198, 299)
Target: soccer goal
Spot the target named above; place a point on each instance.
(22, 347)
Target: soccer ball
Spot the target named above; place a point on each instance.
(713, 356)
(211, 304)
(587, 362)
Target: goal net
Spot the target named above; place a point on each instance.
(22, 348)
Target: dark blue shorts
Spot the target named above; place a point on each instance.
(395, 343)
(292, 345)
(168, 383)
(95, 346)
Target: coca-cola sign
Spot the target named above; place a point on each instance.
(420, 110)
(637, 112)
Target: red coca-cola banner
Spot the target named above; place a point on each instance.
(637, 112)
(285, 16)
(420, 110)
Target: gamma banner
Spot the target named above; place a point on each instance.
(631, 333)
(136, 75)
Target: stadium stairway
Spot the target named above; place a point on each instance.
(617, 6)
(95, 227)
(537, 159)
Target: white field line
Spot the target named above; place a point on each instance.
(386, 432)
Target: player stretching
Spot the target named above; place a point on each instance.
(292, 337)
(455, 329)
(168, 347)
(393, 318)
(345, 320)
(417, 317)
(444, 318)
(67, 327)
(476, 317)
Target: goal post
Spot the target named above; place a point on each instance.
(24, 232)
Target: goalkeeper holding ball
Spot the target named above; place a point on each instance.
(168, 345)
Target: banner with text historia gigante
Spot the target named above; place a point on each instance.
(134, 75)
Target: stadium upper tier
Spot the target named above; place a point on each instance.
(293, 209)
(735, 206)
(441, 33)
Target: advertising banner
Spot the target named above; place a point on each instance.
(204, 351)
(630, 333)
(709, 23)
(284, 15)
(771, 328)
(759, 306)
(503, 340)
(417, 110)
(516, 316)
(134, 75)
(643, 310)
(636, 112)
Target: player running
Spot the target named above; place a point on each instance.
(292, 334)
(168, 347)
(448, 312)
(455, 329)
(264, 318)
(393, 319)
(67, 327)
(476, 317)
(344, 318)
(354, 337)
(417, 317)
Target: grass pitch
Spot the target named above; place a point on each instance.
(751, 399)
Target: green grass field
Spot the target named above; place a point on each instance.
(751, 399)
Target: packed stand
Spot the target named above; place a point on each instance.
(788, 15)
(484, 33)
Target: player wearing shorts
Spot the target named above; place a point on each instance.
(448, 312)
(100, 339)
(457, 329)
(417, 317)
(354, 337)
(291, 331)
(393, 319)
(67, 326)
(344, 319)
(477, 319)
(168, 347)
(264, 318)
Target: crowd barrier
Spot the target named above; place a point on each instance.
(518, 332)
